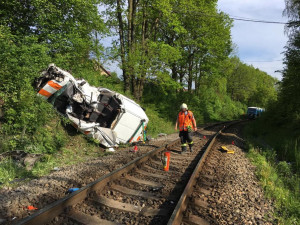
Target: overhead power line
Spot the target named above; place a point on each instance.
(257, 21)
(245, 19)
(265, 61)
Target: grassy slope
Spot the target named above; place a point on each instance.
(71, 147)
(279, 179)
(76, 149)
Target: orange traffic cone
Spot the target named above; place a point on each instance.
(166, 161)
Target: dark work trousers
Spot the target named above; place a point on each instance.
(186, 138)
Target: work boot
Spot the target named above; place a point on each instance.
(183, 149)
(191, 146)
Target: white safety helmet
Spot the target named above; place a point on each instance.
(183, 106)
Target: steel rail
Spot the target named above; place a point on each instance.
(51, 211)
(177, 214)
(56, 208)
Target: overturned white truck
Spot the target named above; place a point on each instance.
(99, 112)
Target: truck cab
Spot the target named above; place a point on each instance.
(99, 113)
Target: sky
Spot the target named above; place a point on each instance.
(258, 44)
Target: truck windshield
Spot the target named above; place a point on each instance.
(251, 110)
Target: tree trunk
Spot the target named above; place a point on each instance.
(132, 5)
(130, 25)
(141, 88)
(137, 93)
(197, 77)
(155, 29)
(181, 75)
(190, 71)
(174, 72)
(190, 74)
(140, 80)
(122, 45)
(133, 85)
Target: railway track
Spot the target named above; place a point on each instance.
(140, 192)
(198, 187)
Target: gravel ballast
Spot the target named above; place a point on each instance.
(229, 186)
(47, 189)
(234, 195)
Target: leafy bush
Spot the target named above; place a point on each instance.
(157, 122)
(9, 170)
(277, 162)
(281, 138)
(279, 183)
(47, 141)
(24, 112)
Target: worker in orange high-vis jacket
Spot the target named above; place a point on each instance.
(187, 124)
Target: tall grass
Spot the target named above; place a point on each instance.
(276, 156)
(283, 140)
(10, 170)
(158, 124)
(279, 183)
(76, 150)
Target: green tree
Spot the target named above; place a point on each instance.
(65, 27)
(290, 85)
(249, 85)
(34, 33)
(21, 60)
(202, 36)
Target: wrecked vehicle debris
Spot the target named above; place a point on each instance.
(99, 113)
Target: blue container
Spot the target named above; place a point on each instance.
(71, 190)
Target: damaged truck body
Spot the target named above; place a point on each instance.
(107, 116)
